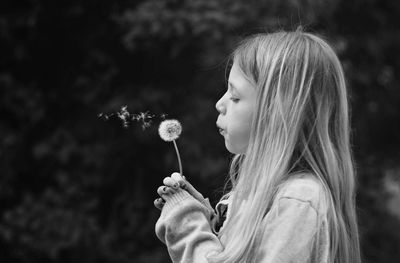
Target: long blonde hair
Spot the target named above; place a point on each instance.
(300, 124)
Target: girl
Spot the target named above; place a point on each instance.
(285, 117)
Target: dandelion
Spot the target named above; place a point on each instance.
(169, 130)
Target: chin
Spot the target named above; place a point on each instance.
(233, 150)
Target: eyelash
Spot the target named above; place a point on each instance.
(234, 99)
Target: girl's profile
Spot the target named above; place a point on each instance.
(291, 194)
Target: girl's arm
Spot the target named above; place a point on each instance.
(185, 227)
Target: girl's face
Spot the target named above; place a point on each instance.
(236, 111)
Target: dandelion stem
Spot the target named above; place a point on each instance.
(179, 158)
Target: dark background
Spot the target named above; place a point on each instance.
(76, 188)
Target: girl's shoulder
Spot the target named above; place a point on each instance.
(306, 188)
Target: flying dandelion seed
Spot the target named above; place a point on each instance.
(145, 118)
(134, 117)
(163, 115)
(146, 125)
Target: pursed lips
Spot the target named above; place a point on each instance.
(221, 131)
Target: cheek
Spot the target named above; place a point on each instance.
(242, 124)
(238, 139)
(239, 126)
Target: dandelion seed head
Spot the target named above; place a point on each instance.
(170, 130)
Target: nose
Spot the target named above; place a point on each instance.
(219, 106)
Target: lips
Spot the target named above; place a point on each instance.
(221, 131)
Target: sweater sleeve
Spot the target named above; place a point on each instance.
(289, 230)
(185, 227)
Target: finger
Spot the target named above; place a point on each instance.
(159, 203)
(168, 181)
(165, 190)
(160, 190)
(156, 204)
(177, 177)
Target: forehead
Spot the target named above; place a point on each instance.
(239, 80)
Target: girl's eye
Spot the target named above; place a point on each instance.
(234, 100)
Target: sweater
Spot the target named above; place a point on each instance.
(298, 213)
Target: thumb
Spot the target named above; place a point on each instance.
(189, 187)
(197, 195)
(184, 184)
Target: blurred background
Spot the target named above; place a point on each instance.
(77, 188)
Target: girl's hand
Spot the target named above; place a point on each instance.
(172, 185)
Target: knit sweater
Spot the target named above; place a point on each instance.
(298, 213)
